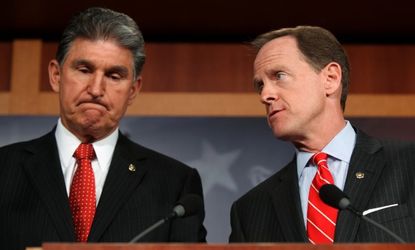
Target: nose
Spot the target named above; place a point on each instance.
(268, 94)
(96, 87)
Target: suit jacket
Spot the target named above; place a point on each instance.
(34, 205)
(271, 212)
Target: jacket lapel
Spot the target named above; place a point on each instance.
(366, 165)
(44, 171)
(126, 171)
(286, 200)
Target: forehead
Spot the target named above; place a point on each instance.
(103, 51)
(282, 48)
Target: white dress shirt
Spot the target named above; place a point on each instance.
(339, 151)
(104, 149)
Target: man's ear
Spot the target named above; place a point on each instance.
(135, 88)
(54, 75)
(333, 78)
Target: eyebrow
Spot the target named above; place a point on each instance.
(122, 70)
(85, 62)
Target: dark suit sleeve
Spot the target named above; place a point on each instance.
(190, 229)
(237, 234)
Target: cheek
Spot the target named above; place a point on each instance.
(70, 99)
(119, 99)
(66, 95)
(309, 95)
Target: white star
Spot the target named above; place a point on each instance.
(214, 168)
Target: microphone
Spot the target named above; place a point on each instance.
(333, 196)
(188, 205)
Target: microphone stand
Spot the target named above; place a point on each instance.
(154, 226)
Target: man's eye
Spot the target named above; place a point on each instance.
(259, 86)
(280, 75)
(83, 69)
(115, 77)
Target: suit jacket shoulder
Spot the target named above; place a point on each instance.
(381, 173)
(34, 205)
(141, 187)
(270, 212)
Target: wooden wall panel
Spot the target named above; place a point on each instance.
(214, 80)
(5, 65)
(210, 67)
(382, 69)
(198, 68)
(25, 76)
(4, 103)
(48, 53)
(182, 67)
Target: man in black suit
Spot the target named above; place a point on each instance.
(97, 75)
(302, 76)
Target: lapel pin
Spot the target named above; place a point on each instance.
(132, 168)
(360, 175)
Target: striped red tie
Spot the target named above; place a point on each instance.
(82, 193)
(321, 218)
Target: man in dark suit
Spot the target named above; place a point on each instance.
(302, 75)
(97, 75)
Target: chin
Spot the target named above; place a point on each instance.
(277, 133)
(90, 124)
(280, 133)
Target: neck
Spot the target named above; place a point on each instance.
(318, 138)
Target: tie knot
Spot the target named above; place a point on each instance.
(320, 158)
(84, 151)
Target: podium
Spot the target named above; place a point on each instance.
(233, 246)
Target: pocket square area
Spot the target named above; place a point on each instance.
(371, 210)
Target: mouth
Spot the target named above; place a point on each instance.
(273, 113)
(92, 104)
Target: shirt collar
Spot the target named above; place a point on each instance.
(105, 148)
(340, 147)
(68, 142)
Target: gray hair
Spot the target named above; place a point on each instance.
(99, 23)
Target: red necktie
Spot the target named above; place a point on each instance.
(321, 218)
(82, 193)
